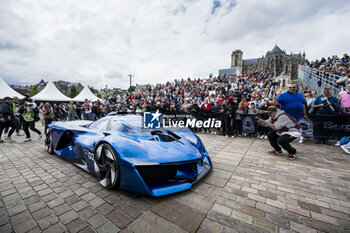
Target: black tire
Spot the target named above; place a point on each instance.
(106, 166)
(49, 142)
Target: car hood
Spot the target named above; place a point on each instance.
(147, 152)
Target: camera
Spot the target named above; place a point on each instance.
(28, 104)
(276, 83)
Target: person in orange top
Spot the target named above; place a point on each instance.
(244, 103)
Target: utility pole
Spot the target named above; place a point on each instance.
(131, 76)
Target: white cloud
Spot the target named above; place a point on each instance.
(100, 42)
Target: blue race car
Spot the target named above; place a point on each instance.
(122, 155)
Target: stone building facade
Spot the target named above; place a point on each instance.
(275, 60)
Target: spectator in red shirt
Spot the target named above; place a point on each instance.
(220, 99)
(206, 106)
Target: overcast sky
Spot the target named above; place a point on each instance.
(100, 42)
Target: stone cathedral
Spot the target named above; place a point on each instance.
(275, 60)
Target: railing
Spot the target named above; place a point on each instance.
(316, 80)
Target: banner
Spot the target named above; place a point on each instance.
(249, 124)
(307, 127)
(330, 126)
(317, 126)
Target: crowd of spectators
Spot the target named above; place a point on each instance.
(222, 97)
(339, 67)
(225, 98)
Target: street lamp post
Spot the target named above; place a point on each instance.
(131, 76)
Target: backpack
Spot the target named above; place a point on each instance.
(36, 114)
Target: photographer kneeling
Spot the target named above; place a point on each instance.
(285, 130)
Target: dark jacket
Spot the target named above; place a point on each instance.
(6, 112)
(232, 109)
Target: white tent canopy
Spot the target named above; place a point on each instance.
(6, 90)
(86, 94)
(50, 93)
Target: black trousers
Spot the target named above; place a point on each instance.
(7, 125)
(47, 122)
(227, 126)
(29, 125)
(238, 126)
(277, 141)
(17, 125)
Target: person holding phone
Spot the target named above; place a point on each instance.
(325, 104)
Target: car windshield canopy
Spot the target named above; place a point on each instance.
(126, 124)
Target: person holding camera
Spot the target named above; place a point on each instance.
(285, 130)
(7, 118)
(28, 116)
(326, 104)
(47, 114)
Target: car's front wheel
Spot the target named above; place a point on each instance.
(106, 166)
(49, 142)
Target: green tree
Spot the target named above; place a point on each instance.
(33, 91)
(73, 91)
(93, 90)
(99, 95)
(131, 89)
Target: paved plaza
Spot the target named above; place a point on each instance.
(247, 191)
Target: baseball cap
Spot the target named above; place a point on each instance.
(271, 109)
(231, 97)
(7, 98)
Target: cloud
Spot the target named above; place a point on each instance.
(100, 42)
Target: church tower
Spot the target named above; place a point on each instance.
(236, 60)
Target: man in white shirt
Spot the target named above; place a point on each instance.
(285, 130)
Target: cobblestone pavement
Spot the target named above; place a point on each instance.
(247, 191)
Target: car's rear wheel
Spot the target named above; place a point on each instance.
(49, 142)
(106, 166)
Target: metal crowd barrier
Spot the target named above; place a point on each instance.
(316, 80)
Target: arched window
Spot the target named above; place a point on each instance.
(236, 60)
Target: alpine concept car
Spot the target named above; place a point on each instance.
(122, 155)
